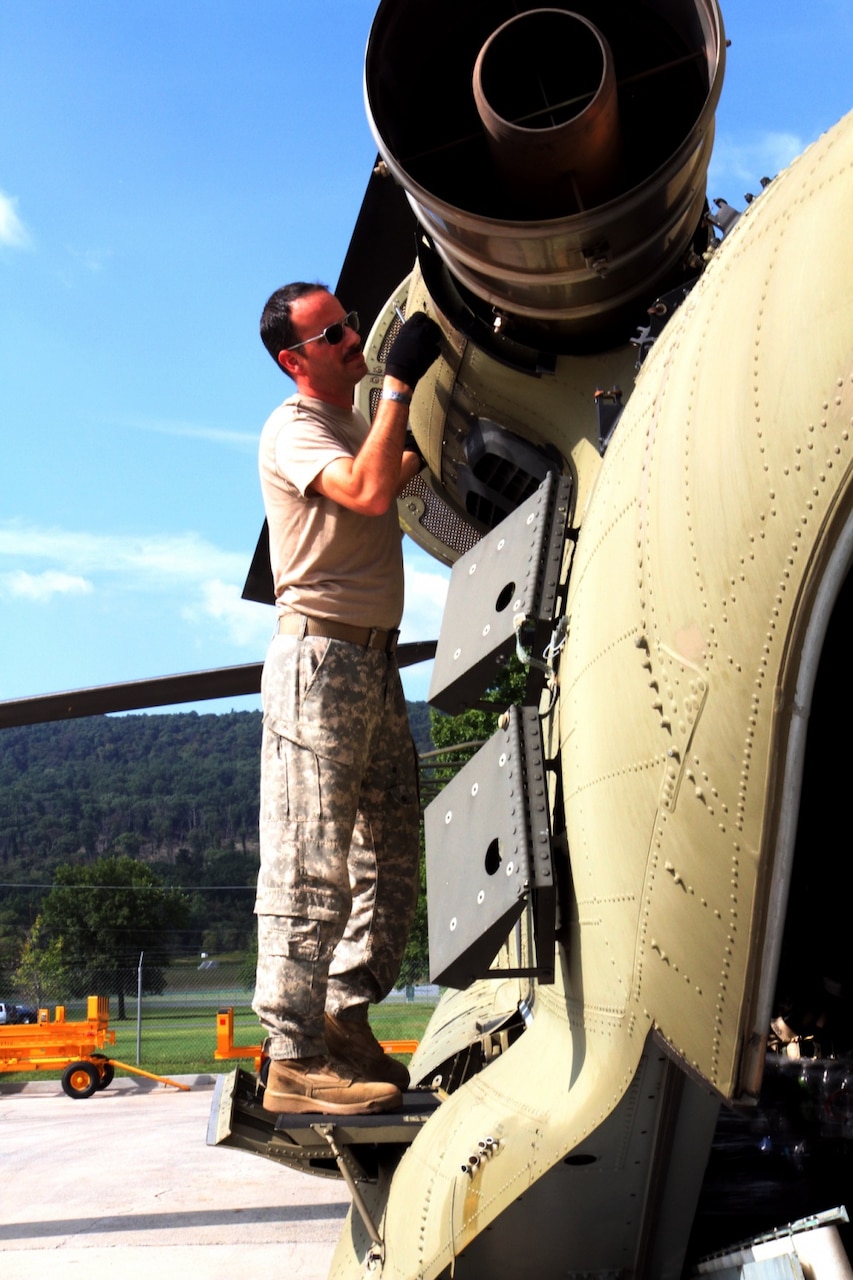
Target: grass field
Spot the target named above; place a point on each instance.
(179, 1035)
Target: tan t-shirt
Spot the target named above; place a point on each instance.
(327, 561)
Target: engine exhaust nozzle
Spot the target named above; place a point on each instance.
(556, 159)
(545, 89)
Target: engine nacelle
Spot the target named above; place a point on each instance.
(556, 161)
(556, 157)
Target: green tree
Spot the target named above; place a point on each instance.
(249, 966)
(42, 975)
(104, 915)
(414, 966)
(478, 724)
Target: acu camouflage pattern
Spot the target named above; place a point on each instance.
(339, 837)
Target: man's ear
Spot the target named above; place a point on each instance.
(289, 362)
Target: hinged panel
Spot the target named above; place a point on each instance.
(488, 847)
(514, 571)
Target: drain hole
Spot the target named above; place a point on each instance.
(493, 857)
(505, 597)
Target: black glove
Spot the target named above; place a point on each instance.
(414, 349)
(410, 445)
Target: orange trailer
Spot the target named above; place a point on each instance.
(74, 1048)
(226, 1048)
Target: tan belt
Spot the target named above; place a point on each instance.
(297, 624)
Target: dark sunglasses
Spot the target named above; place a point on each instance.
(333, 333)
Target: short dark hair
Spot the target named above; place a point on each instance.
(277, 333)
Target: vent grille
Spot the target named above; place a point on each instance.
(439, 519)
(507, 478)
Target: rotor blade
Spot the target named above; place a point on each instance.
(161, 691)
(381, 250)
(409, 655)
(132, 695)
(259, 584)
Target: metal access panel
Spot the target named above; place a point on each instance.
(513, 572)
(488, 850)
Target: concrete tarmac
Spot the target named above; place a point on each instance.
(122, 1184)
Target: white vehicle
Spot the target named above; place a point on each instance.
(16, 1013)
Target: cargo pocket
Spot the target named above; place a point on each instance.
(299, 794)
(289, 949)
(316, 776)
(290, 672)
(289, 937)
(312, 655)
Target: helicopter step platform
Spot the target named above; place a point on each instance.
(330, 1146)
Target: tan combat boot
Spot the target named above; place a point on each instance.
(352, 1042)
(316, 1085)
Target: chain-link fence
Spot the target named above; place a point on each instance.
(165, 1015)
(167, 985)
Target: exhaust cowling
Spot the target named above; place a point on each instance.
(556, 157)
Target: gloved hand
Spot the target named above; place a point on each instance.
(410, 445)
(414, 349)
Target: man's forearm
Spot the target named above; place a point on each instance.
(370, 482)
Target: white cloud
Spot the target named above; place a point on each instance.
(181, 577)
(245, 622)
(12, 230)
(178, 557)
(749, 159)
(188, 562)
(245, 440)
(92, 259)
(140, 562)
(426, 592)
(44, 586)
(250, 625)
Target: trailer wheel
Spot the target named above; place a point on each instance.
(106, 1075)
(80, 1079)
(106, 1070)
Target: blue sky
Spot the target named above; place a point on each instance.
(164, 167)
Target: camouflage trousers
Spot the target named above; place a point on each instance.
(339, 837)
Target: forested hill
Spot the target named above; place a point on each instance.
(170, 789)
